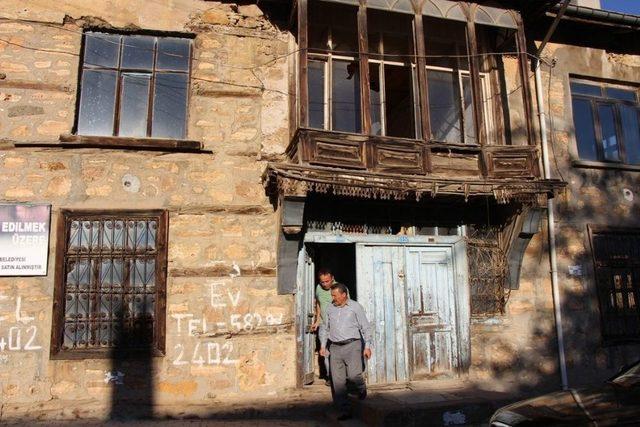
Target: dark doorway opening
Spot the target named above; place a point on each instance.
(340, 258)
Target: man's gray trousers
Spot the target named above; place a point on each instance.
(346, 366)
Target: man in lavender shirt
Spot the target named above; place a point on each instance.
(341, 336)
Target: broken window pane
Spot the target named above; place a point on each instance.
(101, 49)
(97, 103)
(376, 99)
(445, 43)
(585, 129)
(399, 101)
(170, 105)
(134, 105)
(316, 94)
(346, 96)
(173, 54)
(333, 27)
(137, 52)
(390, 34)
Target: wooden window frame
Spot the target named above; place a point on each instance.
(595, 102)
(158, 346)
(147, 139)
(484, 121)
(605, 291)
(487, 104)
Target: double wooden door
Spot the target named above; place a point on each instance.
(415, 298)
(408, 293)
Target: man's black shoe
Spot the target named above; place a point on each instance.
(345, 416)
(327, 382)
(362, 395)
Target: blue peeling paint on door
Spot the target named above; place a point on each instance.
(408, 292)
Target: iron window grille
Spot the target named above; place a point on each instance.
(616, 259)
(134, 86)
(110, 283)
(607, 122)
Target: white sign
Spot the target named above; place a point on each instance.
(24, 239)
(575, 270)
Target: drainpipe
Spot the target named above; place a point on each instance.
(551, 229)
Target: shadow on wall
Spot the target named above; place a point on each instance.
(530, 366)
(132, 368)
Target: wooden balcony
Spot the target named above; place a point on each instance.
(387, 155)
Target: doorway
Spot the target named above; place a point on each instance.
(340, 259)
(414, 291)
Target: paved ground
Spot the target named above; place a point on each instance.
(437, 403)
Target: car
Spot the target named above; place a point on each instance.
(616, 402)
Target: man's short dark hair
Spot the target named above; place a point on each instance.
(343, 289)
(324, 272)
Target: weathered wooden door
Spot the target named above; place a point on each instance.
(305, 314)
(431, 310)
(380, 277)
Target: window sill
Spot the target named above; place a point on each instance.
(106, 353)
(159, 144)
(588, 164)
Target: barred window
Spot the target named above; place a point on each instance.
(110, 283)
(616, 258)
(134, 86)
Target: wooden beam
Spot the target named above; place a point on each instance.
(423, 87)
(476, 85)
(303, 63)
(553, 27)
(523, 65)
(365, 88)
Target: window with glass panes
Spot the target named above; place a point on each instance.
(616, 258)
(110, 283)
(392, 75)
(334, 76)
(607, 122)
(134, 86)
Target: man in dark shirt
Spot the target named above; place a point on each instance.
(341, 335)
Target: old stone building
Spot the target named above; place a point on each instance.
(202, 159)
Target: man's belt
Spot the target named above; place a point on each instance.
(345, 342)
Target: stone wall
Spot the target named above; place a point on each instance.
(517, 351)
(229, 334)
(593, 196)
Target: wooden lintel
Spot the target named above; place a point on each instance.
(223, 271)
(131, 143)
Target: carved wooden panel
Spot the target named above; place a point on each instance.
(336, 152)
(455, 164)
(394, 159)
(508, 163)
